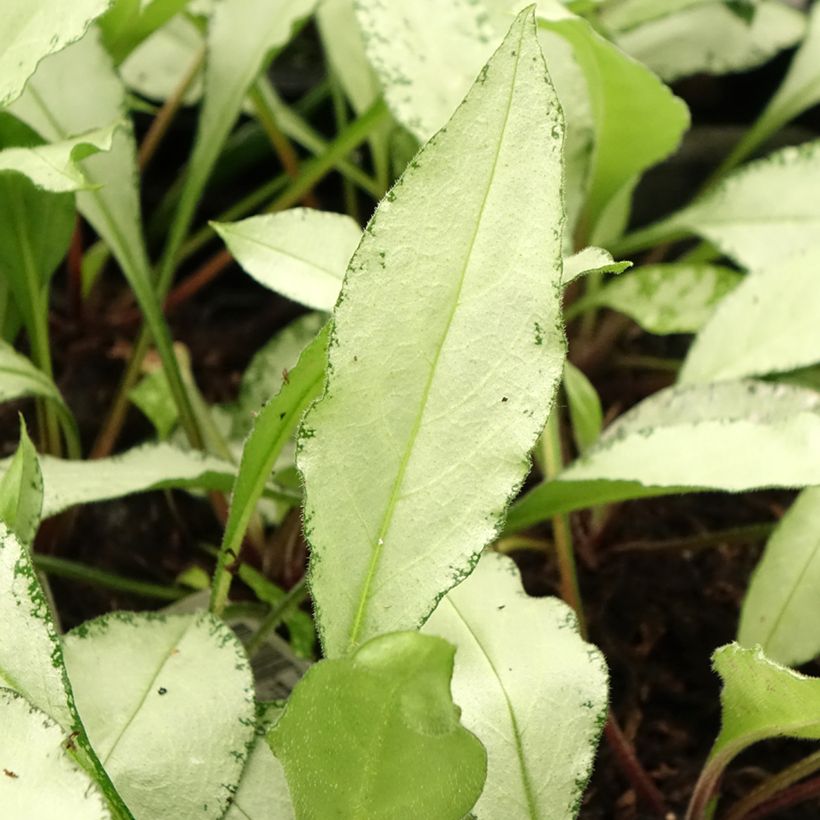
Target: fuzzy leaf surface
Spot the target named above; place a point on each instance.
(781, 611)
(445, 354)
(537, 707)
(768, 324)
(39, 779)
(300, 253)
(168, 705)
(388, 743)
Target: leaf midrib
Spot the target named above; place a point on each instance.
(378, 546)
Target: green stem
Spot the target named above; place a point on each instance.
(293, 598)
(773, 785)
(75, 571)
(645, 238)
(342, 121)
(553, 463)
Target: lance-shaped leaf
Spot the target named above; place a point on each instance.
(376, 735)
(19, 378)
(585, 411)
(781, 611)
(673, 298)
(300, 253)
(711, 38)
(128, 22)
(761, 214)
(21, 491)
(39, 779)
(444, 357)
(72, 92)
(591, 260)
(760, 699)
(731, 436)
(769, 324)
(625, 95)
(272, 430)
(168, 704)
(529, 688)
(68, 483)
(263, 791)
(55, 166)
(33, 29)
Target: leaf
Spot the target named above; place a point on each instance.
(425, 54)
(282, 253)
(21, 491)
(141, 469)
(38, 778)
(760, 214)
(625, 95)
(781, 611)
(585, 411)
(168, 704)
(152, 395)
(444, 358)
(72, 92)
(673, 298)
(20, 378)
(628, 14)
(274, 426)
(242, 37)
(128, 22)
(263, 791)
(711, 38)
(155, 68)
(731, 436)
(800, 89)
(33, 29)
(263, 377)
(54, 167)
(760, 700)
(529, 687)
(768, 324)
(591, 260)
(387, 743)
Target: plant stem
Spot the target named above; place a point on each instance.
(733, 535)
(644, 238)
(553, 463)
(159, 127)
(342, 121)
(76, 571)
(294, 597)
(797, 794)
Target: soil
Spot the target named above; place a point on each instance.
(657, 613)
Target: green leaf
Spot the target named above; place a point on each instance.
(263, 791)
(153, 397)
(39, 779)
(760, 700)
(673, 298)
(54, 167)
(760, 214)
(799, 91)
(442, 366)
(376, 735)
(781, 611)
(156, 67)
(21, 491)
(585, 411)
(243, 35)
(272, 430)
(300, 253)
(141, 469)
(768, 324)
(731, 436)
(264, 375)
(19, 377)
(623, 15)
(425, 54)
(591, 260)
(72, 92)
(33, 29)
(168, 704)
(710, 38)
(529, 687)
(625, 96)
(128, 22)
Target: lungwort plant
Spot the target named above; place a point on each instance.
(394, 423)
